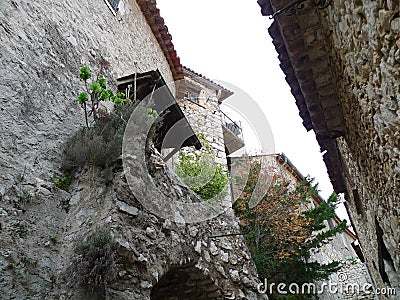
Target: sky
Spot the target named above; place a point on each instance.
(228, 42)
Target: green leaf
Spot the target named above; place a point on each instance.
(62, 182)
(110, 94)
(82, 98)
(85, 73)
(102, 81)
(121, 95)
(105, 95)
(117, 100)
(95, 88)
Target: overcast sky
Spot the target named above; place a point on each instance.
(228, 40)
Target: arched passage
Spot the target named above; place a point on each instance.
(186, 282)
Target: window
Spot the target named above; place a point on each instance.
(191, 96)
(113, 4)
(359, 252)
(385, 260)
(175, 131)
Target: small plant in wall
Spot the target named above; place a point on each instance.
(62, 182)
(96, 91)
(95, 262)
(53, 238)
(99, 141)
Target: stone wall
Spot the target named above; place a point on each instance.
(352, 281)
(42, 47)
(365, 52)
(43, 44)
(158, 258)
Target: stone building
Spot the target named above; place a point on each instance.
(341, 60)
(43, 44)
(200, 98)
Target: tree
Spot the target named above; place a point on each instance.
(100, 141)
(97, 90)
(282, 229)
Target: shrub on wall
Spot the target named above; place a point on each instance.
(99, 143)
(201, 173)
(95, 263)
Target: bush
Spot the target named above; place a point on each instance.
(206, 178)
(93, 146)
(62, 182)
(201, 173)
(282, 230)
(101, 144)
(95, 264)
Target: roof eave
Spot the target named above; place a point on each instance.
(224, 92)
(164, 38)
(305, 62)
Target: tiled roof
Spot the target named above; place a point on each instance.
(304, 58)
(266, 8)
(225, 92)
(291, 79)
(164, 38)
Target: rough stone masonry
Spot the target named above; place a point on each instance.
(42, 46)
(342, 62)
(366, 49)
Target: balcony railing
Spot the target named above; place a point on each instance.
(231, 125)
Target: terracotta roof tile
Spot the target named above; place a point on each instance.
(160, 31)
(226, 92)
(299, 43)
(266, 8)
(291, 78)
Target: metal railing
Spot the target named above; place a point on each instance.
(231, 125)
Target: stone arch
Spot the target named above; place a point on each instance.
(185, 282)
